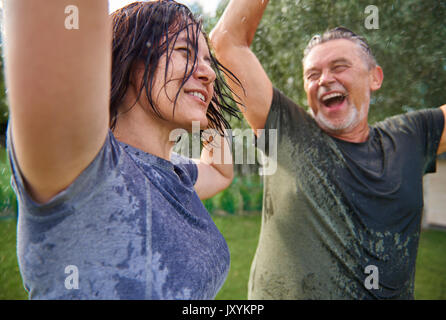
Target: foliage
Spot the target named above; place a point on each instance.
(8, 203)
(243, 195)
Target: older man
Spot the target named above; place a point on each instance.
(342, 213)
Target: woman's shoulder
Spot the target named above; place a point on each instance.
(106, 165)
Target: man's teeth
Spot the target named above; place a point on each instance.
(332, 95)
(199, 95)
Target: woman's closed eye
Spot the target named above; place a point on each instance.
(187, 52)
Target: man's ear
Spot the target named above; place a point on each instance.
(376, 78)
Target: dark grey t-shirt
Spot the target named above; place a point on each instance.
(337, 213)
(131, 226)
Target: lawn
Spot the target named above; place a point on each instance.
(241, 233)
(10, 282)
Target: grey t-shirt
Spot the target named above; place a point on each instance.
(131, 226)
(342, 220)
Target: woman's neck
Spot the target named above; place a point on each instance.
(145, 131)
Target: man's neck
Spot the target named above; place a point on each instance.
(357, 135)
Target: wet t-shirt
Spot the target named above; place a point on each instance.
(342, 220)
(131, 226)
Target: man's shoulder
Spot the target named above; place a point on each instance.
(409, 121)
(289, 110)
(281, 99)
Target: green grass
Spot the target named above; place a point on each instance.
(241, 233)
(430, 276)
(8, 201)
(11, 286)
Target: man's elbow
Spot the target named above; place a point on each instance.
(225, 43)
(219, 40)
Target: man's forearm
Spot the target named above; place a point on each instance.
(239, 21)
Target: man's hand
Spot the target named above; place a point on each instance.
(231, 39)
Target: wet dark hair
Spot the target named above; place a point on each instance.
(342, 33)
(143, 32)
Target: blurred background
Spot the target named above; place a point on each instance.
(410, 46)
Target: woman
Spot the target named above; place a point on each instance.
(106, 211)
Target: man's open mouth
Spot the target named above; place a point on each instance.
(333, 99)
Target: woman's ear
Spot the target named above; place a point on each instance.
(377, 77)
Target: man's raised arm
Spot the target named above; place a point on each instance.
(442, 146)
(231, 39)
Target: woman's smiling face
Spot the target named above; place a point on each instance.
(195, 94)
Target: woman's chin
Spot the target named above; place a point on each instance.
(196, 125)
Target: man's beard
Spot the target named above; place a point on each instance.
(352, 120)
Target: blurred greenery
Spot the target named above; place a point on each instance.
(8, 203)
(11, 287)
(243, 196)
(430, 276)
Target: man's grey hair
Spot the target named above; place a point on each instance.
(342, 33)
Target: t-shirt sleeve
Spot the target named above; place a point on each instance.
(426, 127)
(187, 165)
(431, 125)
(285, 117)
(83, 187)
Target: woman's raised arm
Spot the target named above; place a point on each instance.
(58, 60)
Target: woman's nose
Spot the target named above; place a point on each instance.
(204, 71)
